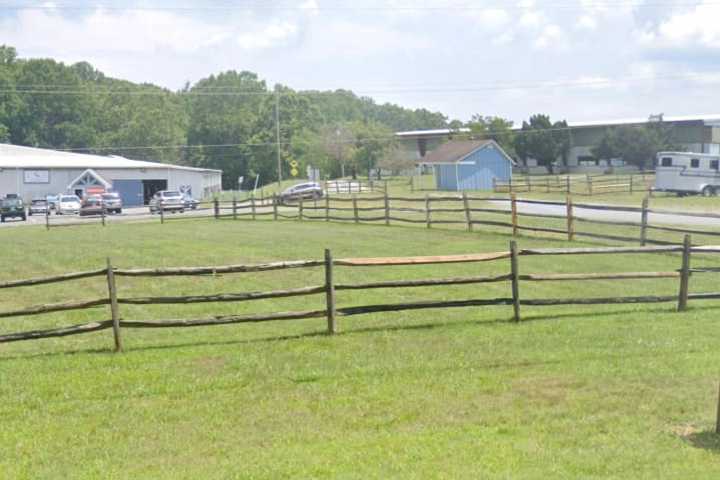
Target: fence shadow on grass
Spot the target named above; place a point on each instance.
(363, 330)
(706, 440)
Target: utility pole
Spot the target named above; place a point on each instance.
(277, 135)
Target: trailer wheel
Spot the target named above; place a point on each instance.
(708, 191)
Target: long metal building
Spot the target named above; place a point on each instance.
(35, 172)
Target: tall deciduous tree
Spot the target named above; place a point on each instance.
(543, 140)
(636, 145)
(494, 128)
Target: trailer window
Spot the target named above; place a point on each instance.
(666, 162)
(694, 163)
(714, 164)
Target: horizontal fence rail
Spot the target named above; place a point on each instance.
(332, 312)
(569, 219)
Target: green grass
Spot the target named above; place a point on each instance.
(601, 392)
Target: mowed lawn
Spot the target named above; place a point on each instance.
(571, 392)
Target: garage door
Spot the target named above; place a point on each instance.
(131, 192)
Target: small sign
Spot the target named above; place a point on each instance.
(36, 176)
(294, 163)
(294, 172)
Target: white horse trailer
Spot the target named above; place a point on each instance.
(687, 173)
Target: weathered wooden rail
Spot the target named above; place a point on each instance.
(332, 312)
(467, 210)
(597, 184)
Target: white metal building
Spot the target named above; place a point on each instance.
(34, 172)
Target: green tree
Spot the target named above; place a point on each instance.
(636, 145)
(543, 140)
(494, 128)
(371, 141)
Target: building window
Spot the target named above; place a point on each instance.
(694, 163)
(714, 164)
(666, 162)
(586, 160)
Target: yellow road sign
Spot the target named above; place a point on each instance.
(294, 172)
(294, 163)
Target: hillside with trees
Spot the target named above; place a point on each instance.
(225, 121)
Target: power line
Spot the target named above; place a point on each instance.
(50, 89)
(321, 8)
(389, 138)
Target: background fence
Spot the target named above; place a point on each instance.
(332, 312)
(578, 185)
(642, 225)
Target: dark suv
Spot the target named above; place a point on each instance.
(12, 207)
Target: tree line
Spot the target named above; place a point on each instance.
(228, 122)
(225, 121)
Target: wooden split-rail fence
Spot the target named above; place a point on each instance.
(588, 185)
(333, 313)
(515, 215)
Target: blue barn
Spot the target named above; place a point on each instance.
(469, 165)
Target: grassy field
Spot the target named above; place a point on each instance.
(572, 392)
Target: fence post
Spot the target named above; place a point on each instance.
(466, 205)
(275, 206)
(387, 206)
(570, 219)
(510, 187)
(589, 185)
(216, 207)
(528, 183)
(330, 292)
(515, 280)
(631, 184)
(412, 184)
(234, 207)
(494, 185)
(300, 208)
(355, 209)
(252, 205)
(513, 214)
(385, 186)
(547, 185)
(717, 422)
(162, 215)
(427, 211)
(114, 311)
(684, 274)
(102, 216)
(644, 222)
(567, 184)
(327, 206)
(47, 219)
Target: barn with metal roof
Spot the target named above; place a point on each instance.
(35, 172)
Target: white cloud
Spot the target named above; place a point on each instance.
(273, 35)
(698, 27)
(551, 36)
(586, 22)
(493, 19)
(531, 19)
(128, 31)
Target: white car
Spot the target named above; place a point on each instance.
(167, 201)
(67, 205)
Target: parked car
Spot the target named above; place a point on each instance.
(167, 201)
(67, 205)
(113, 202)
(52, 201)
(190, 203)
(310, 190)
(92, 205)
(38, 206)
(12, 207)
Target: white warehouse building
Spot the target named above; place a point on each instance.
(35, 172)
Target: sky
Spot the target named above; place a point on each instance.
(578, 60)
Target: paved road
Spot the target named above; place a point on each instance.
(614, 216)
